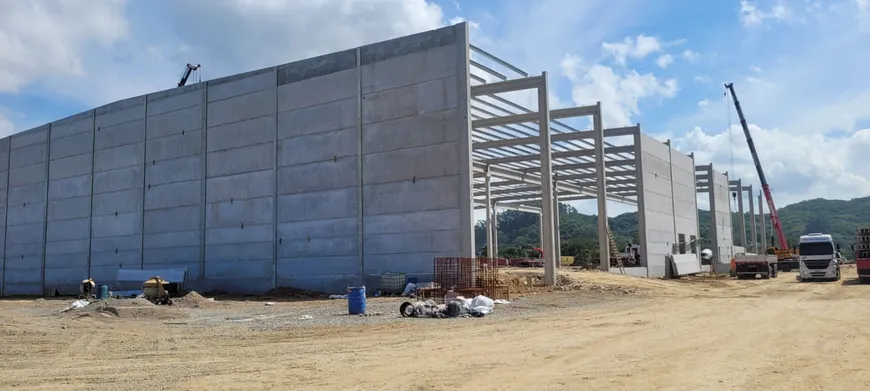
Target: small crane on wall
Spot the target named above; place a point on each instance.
(188, 70)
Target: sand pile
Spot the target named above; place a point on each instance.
(520, 283)
(193, 300)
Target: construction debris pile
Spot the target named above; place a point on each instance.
(456, 307)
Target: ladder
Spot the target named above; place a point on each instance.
(614, 252)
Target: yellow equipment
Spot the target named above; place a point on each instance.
(155, 290)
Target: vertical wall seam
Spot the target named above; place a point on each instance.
(45, 201)
(93, 175)
(466, 187)
(673, 203)
(275, 190)
(203, 184)
(641, 208)
(144, 188)
(360, 229)
(6, 215)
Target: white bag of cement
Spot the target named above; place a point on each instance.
(482, 310)
(409, 289)
(501, 301)
(77, 305)
(336, 297)
(482, 301)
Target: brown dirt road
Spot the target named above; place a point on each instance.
(687, 335)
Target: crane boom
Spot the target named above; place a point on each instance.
(187, 71)
(774, 215)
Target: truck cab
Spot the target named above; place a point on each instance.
(818, 258)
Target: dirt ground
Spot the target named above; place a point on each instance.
(692, 334)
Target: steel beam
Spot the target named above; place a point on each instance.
(558, 155)
(498, 87)
(571, 112)
(504, 120)
(587, 166)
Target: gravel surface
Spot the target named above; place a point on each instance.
(258, 316)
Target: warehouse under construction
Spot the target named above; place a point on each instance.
(327, 172)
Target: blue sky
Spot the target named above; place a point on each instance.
(797, 65)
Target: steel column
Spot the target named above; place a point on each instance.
(603, 248)
(763, 228)
(752, 221)
(488, 216)
(556, 234)
(494, 231)
(547, 214)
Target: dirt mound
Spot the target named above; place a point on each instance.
(524, 282)
(193, 300)
(286, 292)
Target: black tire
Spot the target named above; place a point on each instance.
(862, 280)
(785, 267)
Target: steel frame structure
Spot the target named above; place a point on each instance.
(512, 153)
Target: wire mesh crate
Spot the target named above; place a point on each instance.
(393, 283)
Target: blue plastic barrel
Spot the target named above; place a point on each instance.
(104, 292)
(356, 300)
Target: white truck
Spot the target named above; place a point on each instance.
(818, 258)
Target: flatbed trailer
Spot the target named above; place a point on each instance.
(747, 267)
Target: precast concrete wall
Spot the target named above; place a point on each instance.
(317, 174)
(685, 203)
(667, 209)
(720, 212)
(656, 208)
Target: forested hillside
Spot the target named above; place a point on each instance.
(519, 231)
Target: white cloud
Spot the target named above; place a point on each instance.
(6, 125)
(618, 91)
(702, 79)
(88, 50)
(636, 48)
(755, 69)
(664, 60)
(691, 55)
(49, 37)
(703, 103)
(796, 167)
(863, 5)
(751, 15)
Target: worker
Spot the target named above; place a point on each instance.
(87, 287)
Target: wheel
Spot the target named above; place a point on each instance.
(785, 267)
(863, 280)
(765, 276)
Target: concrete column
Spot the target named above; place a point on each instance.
(752, 221)
(556, 234)
(547, 215)
(488, 215)
(697, 243)
(763, 229)
(740, 210)
(714, 233)
(601, 184)
(494, 230)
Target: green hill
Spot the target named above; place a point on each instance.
(518, 231)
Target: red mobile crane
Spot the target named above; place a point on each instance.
(787, 260)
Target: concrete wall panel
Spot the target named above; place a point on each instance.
(174, 146)
(658, 235)
(70, 166)
(209, 176)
